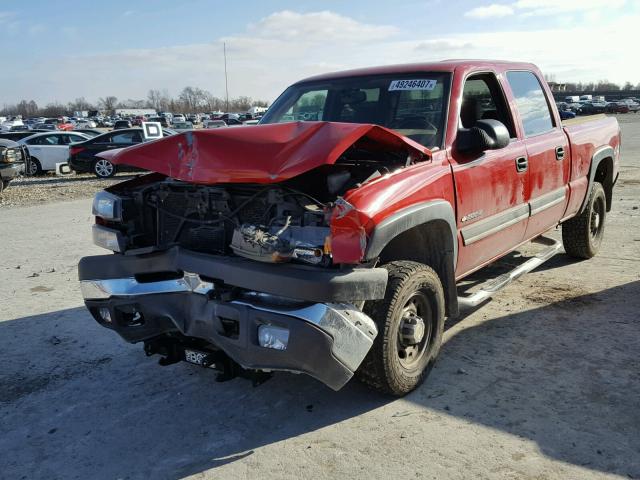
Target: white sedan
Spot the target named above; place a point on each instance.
(48, 148)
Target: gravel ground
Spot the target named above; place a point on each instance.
(543, 382)
(26, 191)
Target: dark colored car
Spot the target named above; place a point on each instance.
(15, 136)
(82, 156)
(12, 158)
(88, 131)
(161, 120)
(120, 124)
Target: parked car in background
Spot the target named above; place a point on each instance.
(591, 108)
(82, 156)
(161, 120)
(44, 126)
(565, 114)
(214, 124)
(193, 118)
(120, 124)
(179, 118)
(182, 126)
(618, 107)
(631, 104)
(84, 123)
(15, 136)
(47, 149)
(88, 131)
(233, 122)
(12, 158)
(137, 121)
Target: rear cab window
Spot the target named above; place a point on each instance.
(532, 103)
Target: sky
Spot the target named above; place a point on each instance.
(63, 50)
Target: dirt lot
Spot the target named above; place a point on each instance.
(543, 382)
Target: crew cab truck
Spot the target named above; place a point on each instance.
(329, 238)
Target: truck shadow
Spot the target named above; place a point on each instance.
(76, 402)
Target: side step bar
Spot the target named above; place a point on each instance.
(498, 283)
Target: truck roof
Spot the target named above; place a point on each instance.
(442, 66)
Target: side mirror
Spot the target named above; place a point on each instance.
(485, 135)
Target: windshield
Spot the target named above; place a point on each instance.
(411, 104)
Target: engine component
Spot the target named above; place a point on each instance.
(280, 244)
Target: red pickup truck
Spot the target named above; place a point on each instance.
(329, 239)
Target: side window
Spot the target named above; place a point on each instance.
(123, 138)
(483, 99)
(45, 140)
(532, 103)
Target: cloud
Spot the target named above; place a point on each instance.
(555, 7)
(490, 11)
(318, 26)
(287, 46)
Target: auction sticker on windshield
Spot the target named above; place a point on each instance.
(412, 85)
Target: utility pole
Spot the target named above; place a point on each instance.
(226, 81)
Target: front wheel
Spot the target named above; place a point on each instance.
(34, 167)
(104, 168)
(582, 234)
(410, 321)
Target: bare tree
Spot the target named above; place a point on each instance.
(108, 103)
(79, 104)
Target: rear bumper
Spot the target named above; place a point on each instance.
(327, 340)
(79, 165)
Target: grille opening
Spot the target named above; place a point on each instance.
(129, 316)
(231, 328)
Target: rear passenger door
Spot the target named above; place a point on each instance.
(547, 152)
(490, 187)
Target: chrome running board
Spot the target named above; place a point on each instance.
(491, 287)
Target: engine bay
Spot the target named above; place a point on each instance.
(282, 222)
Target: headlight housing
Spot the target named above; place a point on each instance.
(107, 206)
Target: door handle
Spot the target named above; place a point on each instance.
(559, 153)
(521, 164)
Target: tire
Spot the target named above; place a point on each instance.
(400, 358)
(2, 185)
(103, 168)
(35, 167)
(582, 234)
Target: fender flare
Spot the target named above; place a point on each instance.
(410, 217)
(599, 155)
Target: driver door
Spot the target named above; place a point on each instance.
(490, 187)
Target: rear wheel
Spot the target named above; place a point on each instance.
(34, 167)
(104, 168)
(410, 321)
(582, 235)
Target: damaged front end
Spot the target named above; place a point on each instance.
(251, 270)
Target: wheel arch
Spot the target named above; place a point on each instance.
(601, 170)
(429, 225)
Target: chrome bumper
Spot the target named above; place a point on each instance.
(352, 332)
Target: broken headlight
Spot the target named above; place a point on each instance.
(107, 206)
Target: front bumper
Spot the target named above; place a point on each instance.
(8, 171)
(327, 340)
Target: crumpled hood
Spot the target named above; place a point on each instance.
(256, 154)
